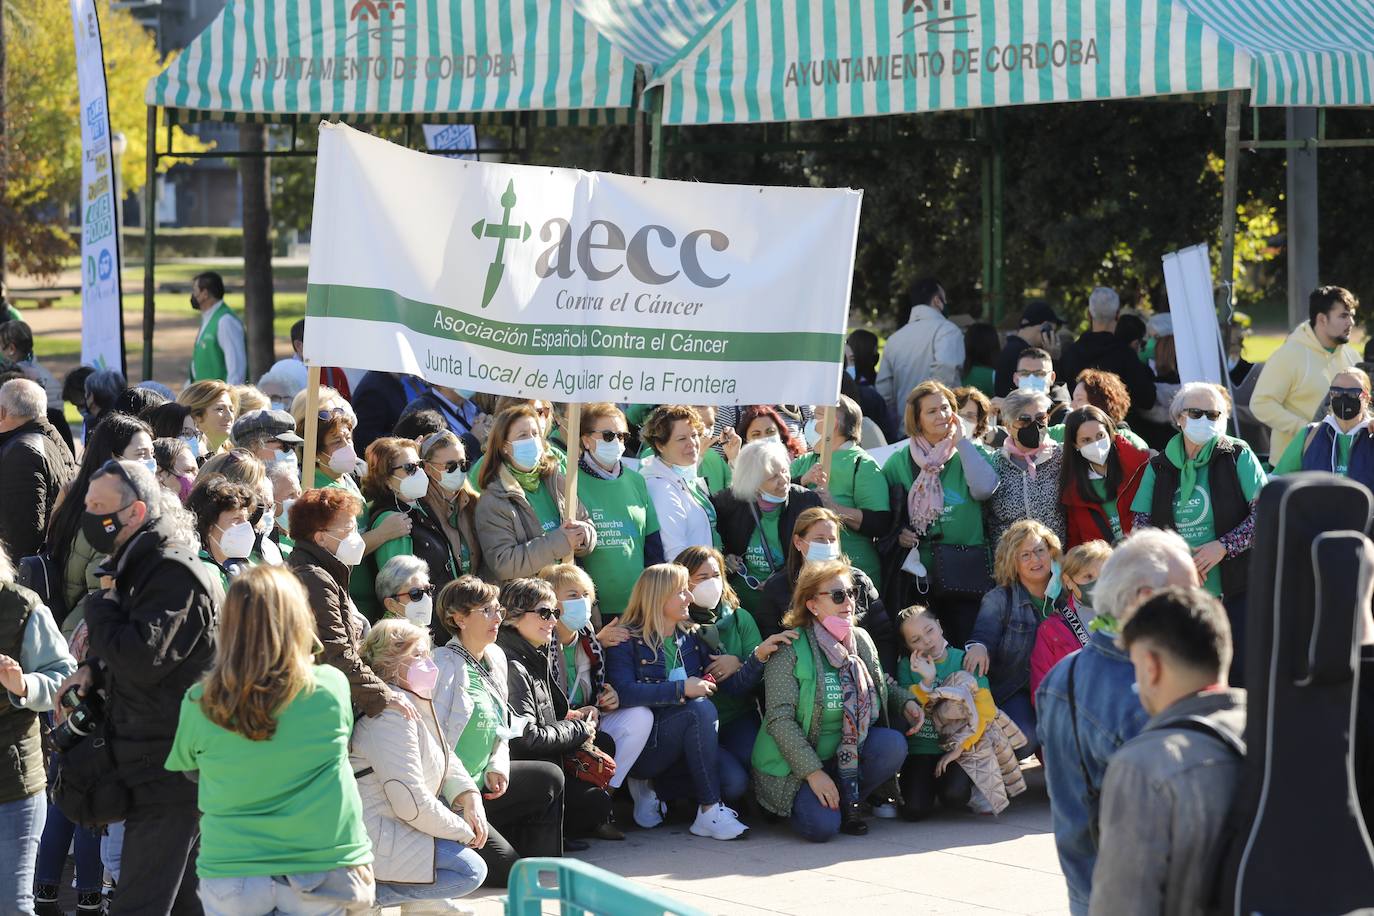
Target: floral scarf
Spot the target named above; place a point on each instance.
(860, 698)
(926, 498)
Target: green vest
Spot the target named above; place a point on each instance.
(766, 757)
(18, 727)
(207, 360)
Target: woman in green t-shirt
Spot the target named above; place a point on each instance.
(267, 732)
(855, 488)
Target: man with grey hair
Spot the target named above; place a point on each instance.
(152, 635)
(1085, 706)
(1099, 348)
(34, 467)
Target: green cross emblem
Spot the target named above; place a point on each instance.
(501, 232)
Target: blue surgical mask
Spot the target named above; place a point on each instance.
(577, 613)
(771, 499)
(193, 443)
(1056, 582)
(851, 371)
(525, 453)
(464, 393)
(687, 472)
(1202, 430)
(1034, 383)
(819, 551)
(151, 465)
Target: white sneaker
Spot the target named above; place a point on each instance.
(887, 811)
(431, 907)
(719, 823)
(649, 810)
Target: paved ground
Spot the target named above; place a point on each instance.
(951, 864)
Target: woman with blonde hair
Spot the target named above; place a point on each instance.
(826, 744)
(1065, 631)
(267, 732)
(1028, 591)
(520, 514)
(663, 666)
(213, 408)
(422, 809)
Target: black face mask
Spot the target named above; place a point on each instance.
(1030, 436)
(1346, 406)
(195, 306)
(102, 528)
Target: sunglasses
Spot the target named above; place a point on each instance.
(1039, 419)
(448, 466)
(546, 613)
(415, 594)
(410, 467)
(1197, 413)
(838, 595)
(1351, 392)
(610, 435)
(330, 413)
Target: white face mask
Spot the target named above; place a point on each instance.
(287, 459)
(608, 453)
(453, 480)
(1202, 430)
(812, 434)
(1096, 451)
(822, 550)
(236, 541)
(350, 549)
(284, 515)
(415, 486)
(774, 437)
(344, 460)
(968, 427)
(707, 592)
(421, 613)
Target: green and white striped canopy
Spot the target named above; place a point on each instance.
(792, 60)
(369, 61)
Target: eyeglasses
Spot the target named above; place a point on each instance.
(415, 594)
(1197, 413)
(448, 466)
(546, 613)
(610, 435)
(838, 595)
(410, 467)
(489, 611)
(1039, 419)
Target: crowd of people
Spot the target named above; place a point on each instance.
(389, 682)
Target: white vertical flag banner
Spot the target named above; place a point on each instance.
(576, 286)
(102, 338)
(1197, 333)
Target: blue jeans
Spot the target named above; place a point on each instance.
(322, 893)
(1019, 709)
(458, 871)
(21, 824)
(112, 849)
(879, 760)
(736, 748)
(60, 833)
(684, 734)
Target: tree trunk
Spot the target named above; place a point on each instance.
(258, 310)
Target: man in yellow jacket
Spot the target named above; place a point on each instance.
(1296, 378)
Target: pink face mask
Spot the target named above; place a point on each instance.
(837, 626)
(185, 483)
(422, 675)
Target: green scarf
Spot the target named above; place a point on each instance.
(529, 480)
(1188, 467)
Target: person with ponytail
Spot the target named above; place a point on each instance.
(266, 735)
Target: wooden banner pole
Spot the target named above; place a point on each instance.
(572, 425)
(312, 426)
(826, 425)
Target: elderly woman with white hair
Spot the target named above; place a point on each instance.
(755, 516)
(404, 590)
(1028, 468)
(1205, 485)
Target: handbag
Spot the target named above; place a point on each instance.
(961, 571)
(87, 787)
(590, 764)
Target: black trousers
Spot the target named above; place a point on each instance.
(527, 821)
(921, 788)
(157, 872)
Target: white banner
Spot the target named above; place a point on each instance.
(1197, 333)
(576, 286)
(102, 338)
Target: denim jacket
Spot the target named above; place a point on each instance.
(1109, 715)
(638, 674)
(1006, 626)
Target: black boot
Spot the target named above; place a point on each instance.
(90, 904)
(45, 900)
(851, 822)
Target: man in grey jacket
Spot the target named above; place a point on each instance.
(928, 346)
(1168, 790)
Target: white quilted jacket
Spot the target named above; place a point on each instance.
(413, 770)
(453, 704)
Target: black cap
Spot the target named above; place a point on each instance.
(1039, 312)
(266, 424)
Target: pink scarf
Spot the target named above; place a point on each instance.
(1033, 456)
(926, 498)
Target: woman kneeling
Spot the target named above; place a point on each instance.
(822, 749)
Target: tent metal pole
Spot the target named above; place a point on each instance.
(150, 243)
(637, 112)
(985, 150)
(656, 135)
(1230, 187)
(999, 300)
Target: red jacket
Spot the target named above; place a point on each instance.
(1085, 518)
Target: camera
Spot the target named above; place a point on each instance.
(83, 715)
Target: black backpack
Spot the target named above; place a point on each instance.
(40, 575)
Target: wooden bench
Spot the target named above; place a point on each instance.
(41, 298)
